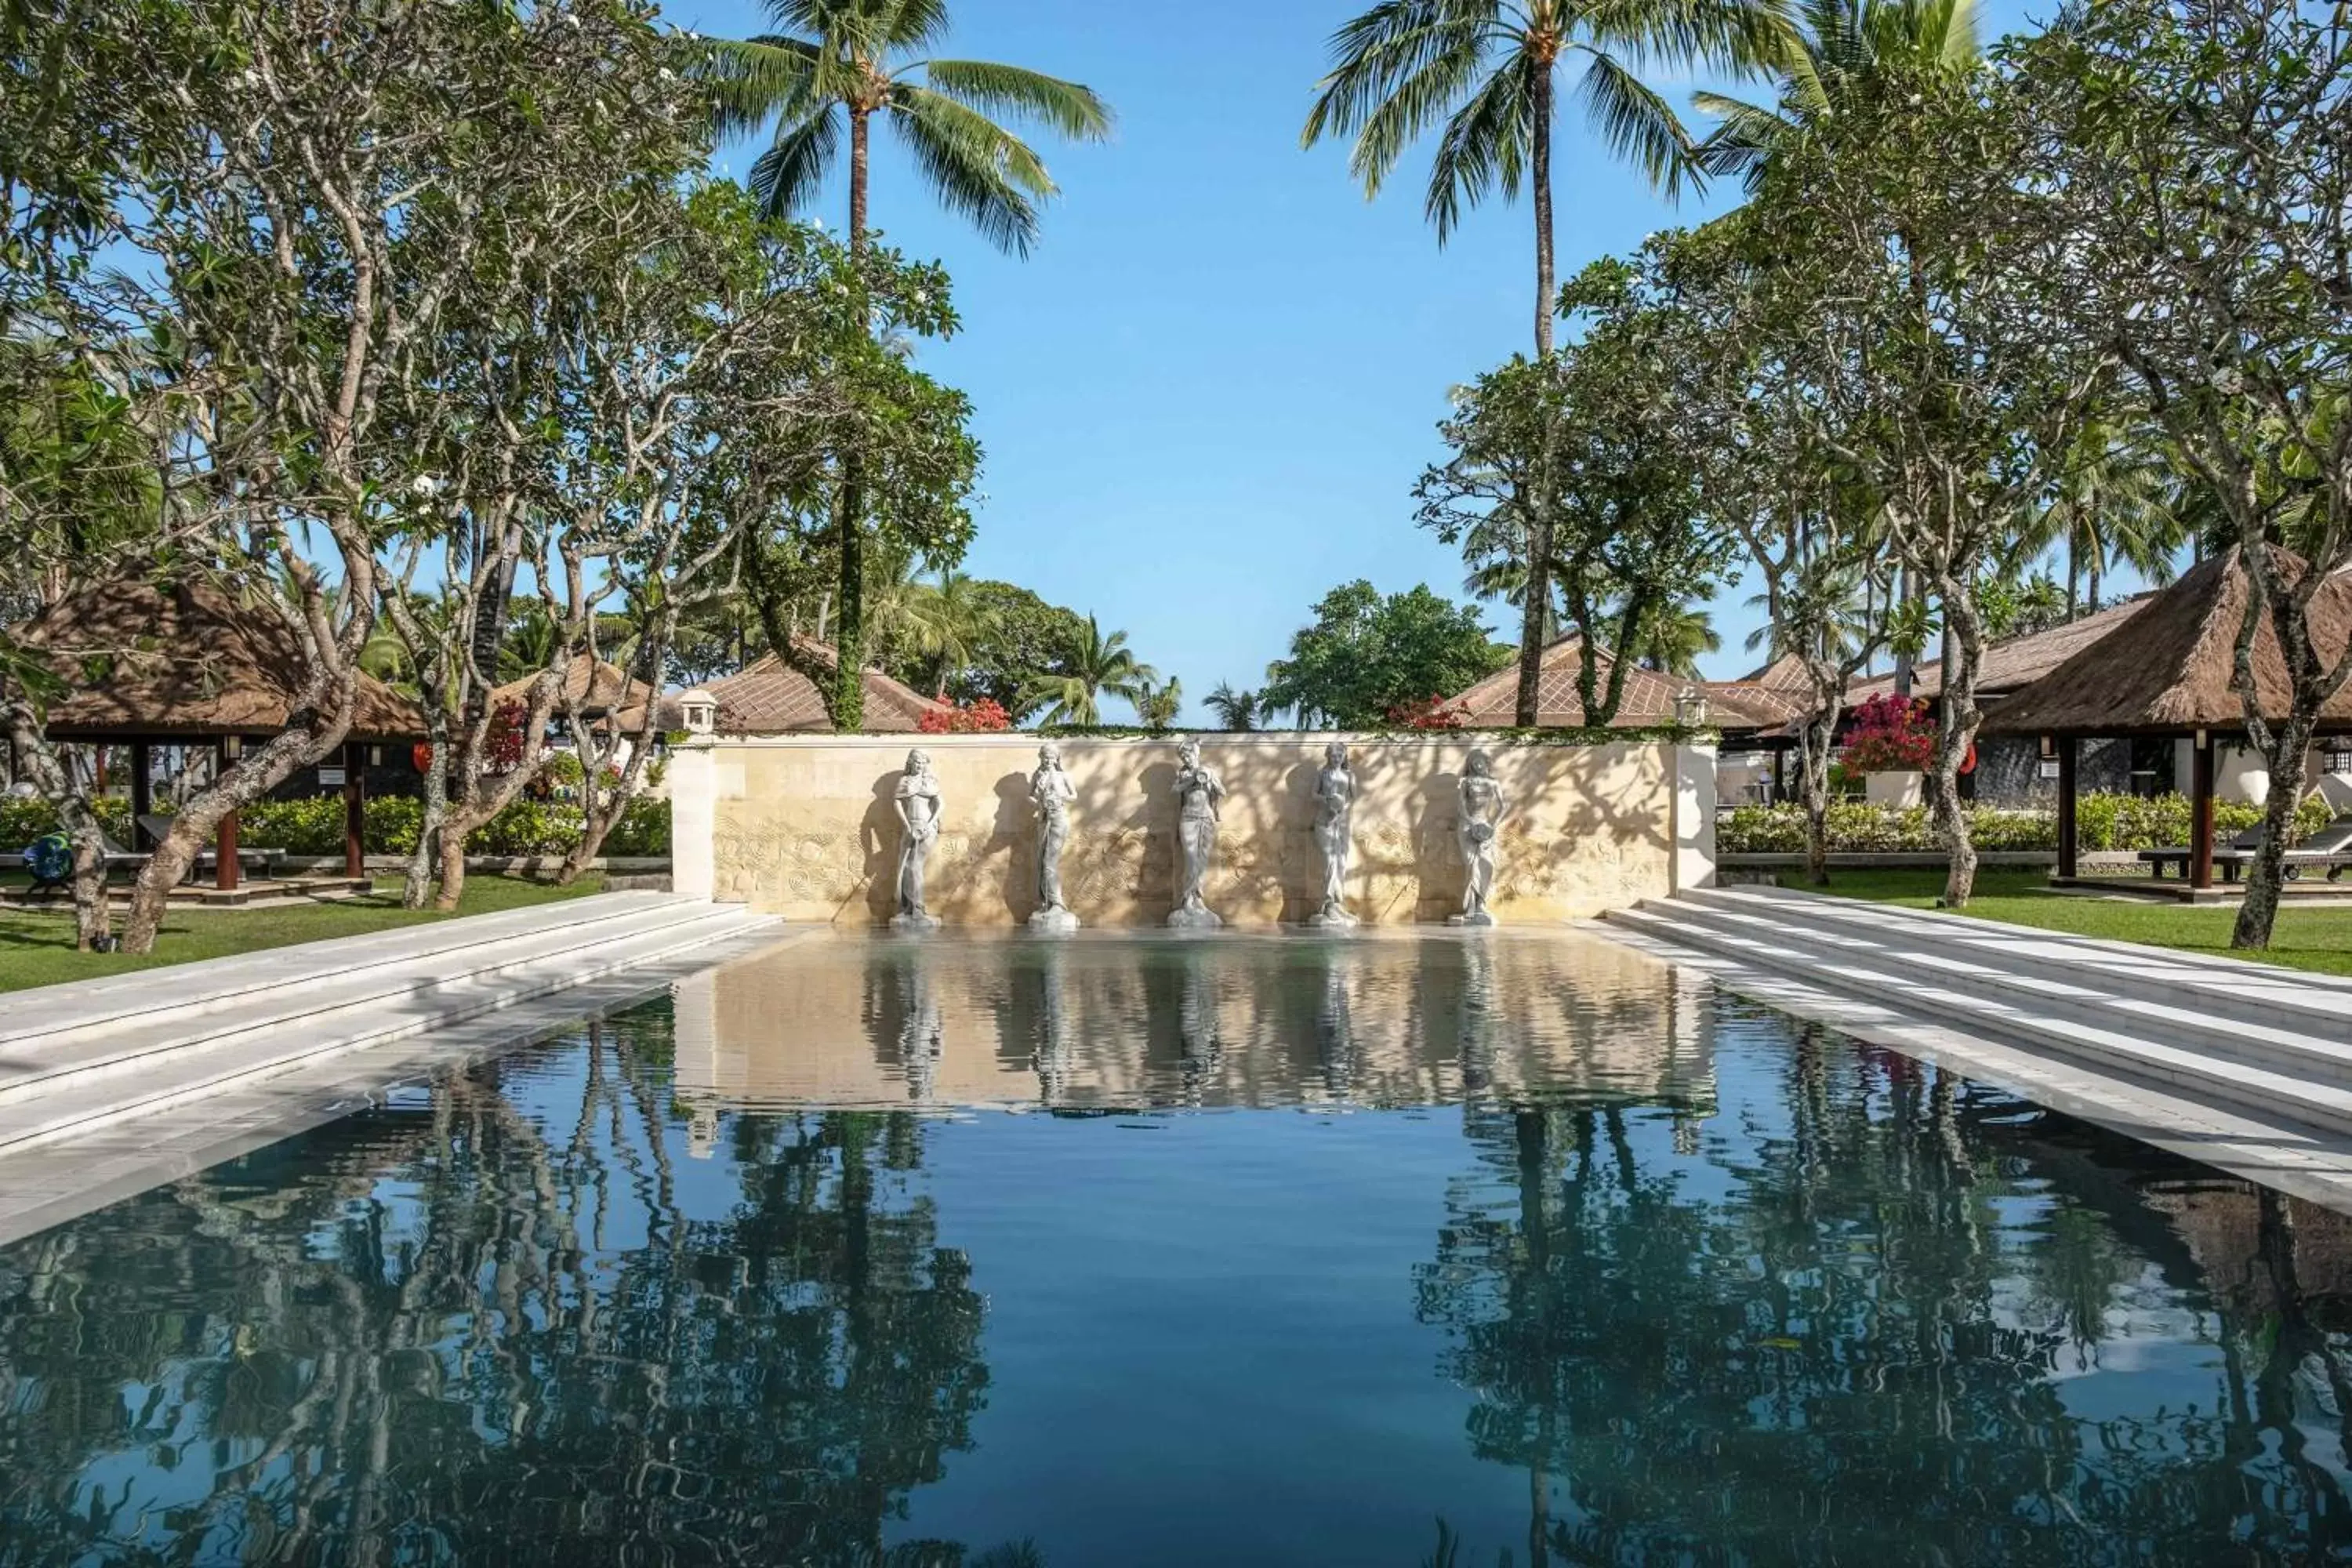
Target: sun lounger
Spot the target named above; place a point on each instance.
(2331, 847)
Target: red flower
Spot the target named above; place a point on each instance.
(1891, 734)
(985, 716)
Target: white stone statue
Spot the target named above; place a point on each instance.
(1051, 792)
(1478, 823)
(1199, 792)
(1335, 809)
(919, 805)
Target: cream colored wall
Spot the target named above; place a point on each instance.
(803, 828)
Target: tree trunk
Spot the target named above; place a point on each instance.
(49, 772)
(245, 781)
(418, 884)
(847, 708)
(1814, 741)
(454, 835)
(1532, 616)
(1955, 735)
(1539, 171)
(2287, 757)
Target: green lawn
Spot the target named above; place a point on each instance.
(36, 946)
(2317, 939)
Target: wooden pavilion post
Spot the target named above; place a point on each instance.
(226, 868)
(2070, 752)
(2201, 811)
(354, 809)
(143, 791)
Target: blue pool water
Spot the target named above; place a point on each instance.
(1130, 1251)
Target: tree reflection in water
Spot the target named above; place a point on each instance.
(459, 1334)
(1839, 1339)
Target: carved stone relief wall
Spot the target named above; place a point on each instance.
(803, 828)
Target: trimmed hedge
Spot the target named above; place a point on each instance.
(2123, 821)
(315, 826)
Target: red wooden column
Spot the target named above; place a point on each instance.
(225, 867)
(354, 809)
(2070, 752)
(2201, 811)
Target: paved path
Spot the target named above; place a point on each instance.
(2243, 1066)
(87, 1069)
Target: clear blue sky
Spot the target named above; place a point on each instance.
(1205, 397)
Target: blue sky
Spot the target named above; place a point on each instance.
(1205, 397)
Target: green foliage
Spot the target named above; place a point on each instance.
(2102, 822)
(1365, 656)
(1098, 664)
(314, 825)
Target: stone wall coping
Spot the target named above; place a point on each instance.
(914, 742)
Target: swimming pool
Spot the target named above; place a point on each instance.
(1387, 1249)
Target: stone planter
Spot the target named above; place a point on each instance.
(1901, 791)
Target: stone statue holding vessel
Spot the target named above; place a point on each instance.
(1198, 793)
(1051, 793)
(1477, 824)
(1335, 810)
(920, 807)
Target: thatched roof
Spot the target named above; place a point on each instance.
(601, 689)
(185, 662)
(1649, 697)
(2012, 663)
(767, 698)
(2168, 669)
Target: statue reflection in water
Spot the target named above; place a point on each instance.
(1477, 1020)
(1335, 1036)
(920, 1042)
(1199, 1030)
(1053, 1033)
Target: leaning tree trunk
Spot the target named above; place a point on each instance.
(1956, 735)
(195, 823)
(2287, 757)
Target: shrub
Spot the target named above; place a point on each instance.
(1891, 734)
(2102, 822)
(984, 717)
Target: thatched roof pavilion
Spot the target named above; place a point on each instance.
(184, 664)
(2170, 670)
(1649, 698)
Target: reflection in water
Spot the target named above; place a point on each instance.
(474, 1331)
(1605, 1269)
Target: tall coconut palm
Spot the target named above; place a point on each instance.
(1099, 666)
(1825, 59)
(1486, 70)
(936, 624)
(2117, 505)
(835, 62)
(1158, 705)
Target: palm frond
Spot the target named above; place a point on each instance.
(1484, 147)
(975, 167)
(912, 24)
(786, 176)
(1638, 125)
(1401, 82)
(1744, 134)
(750, 80)
(1071, 107)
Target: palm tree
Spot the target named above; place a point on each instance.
(1486, 69)
(832, 61)
(836, 60)
(1099, 666)
(2116, 506)
(1235, 709)
(1825, 60)
(1158, 706)
(940, 624)
(1674, 638)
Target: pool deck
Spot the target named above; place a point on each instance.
(2245, 1067)
(109, 1087)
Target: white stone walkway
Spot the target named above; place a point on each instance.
(107, 1085)
(2246, 1066)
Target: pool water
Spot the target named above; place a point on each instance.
(1513, 1249)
